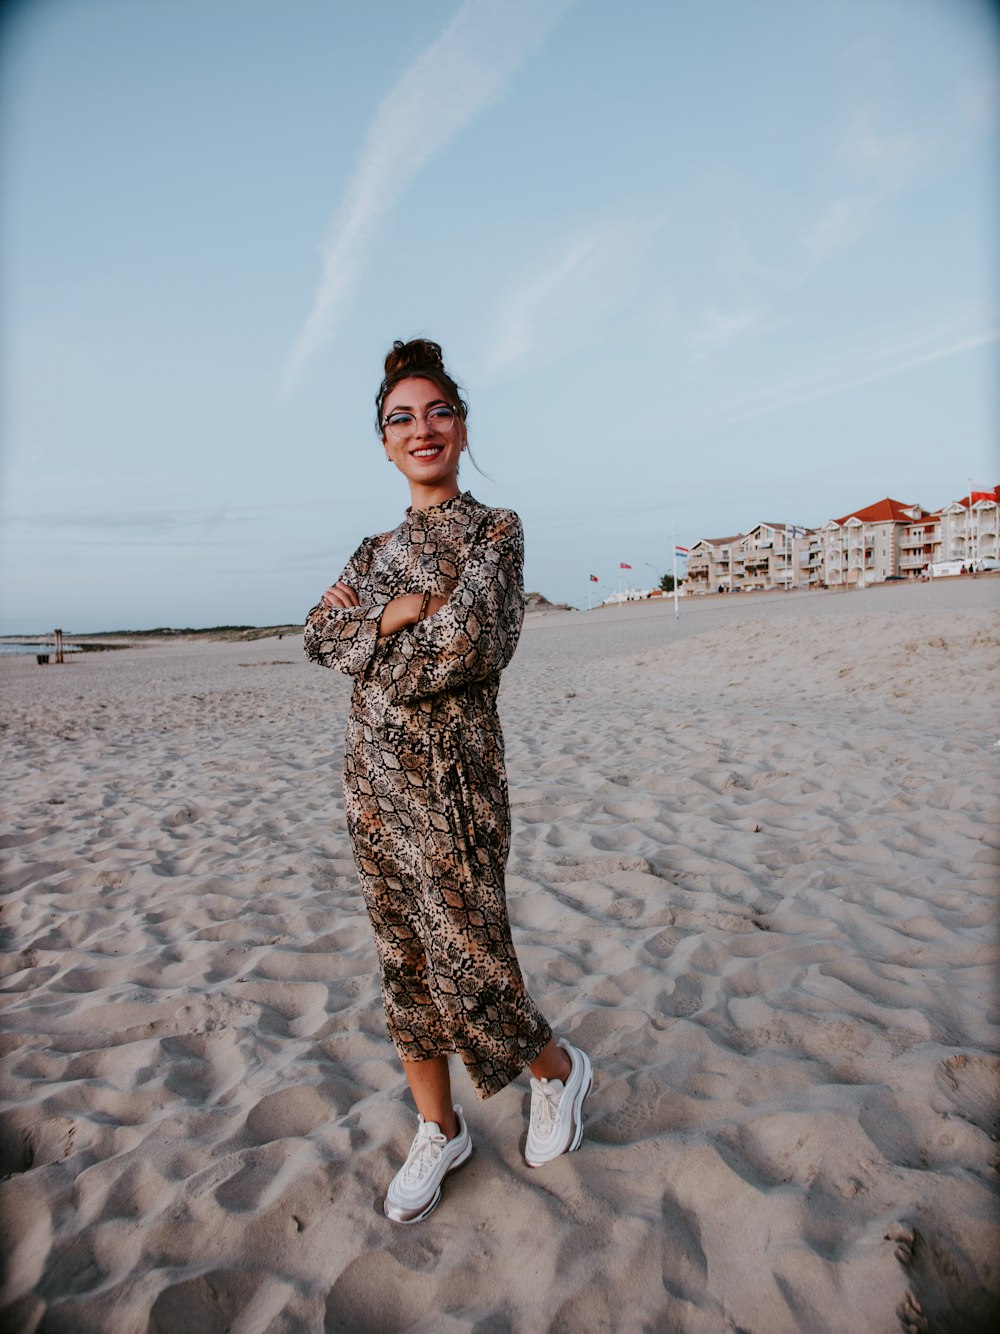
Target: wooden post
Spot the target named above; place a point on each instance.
(58, 646)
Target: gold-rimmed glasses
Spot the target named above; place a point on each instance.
(401, 425)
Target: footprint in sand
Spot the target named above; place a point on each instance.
(971, 1085)
(53, 1140)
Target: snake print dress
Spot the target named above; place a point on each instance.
(425, 786)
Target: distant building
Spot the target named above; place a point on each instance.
(710, 565)
(920, 546)
(967, 530)
(629, 595)
(763, 559)
(971, 533)
(864, 547)
(773, 559)
(887, 540)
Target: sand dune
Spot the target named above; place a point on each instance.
(754, 873)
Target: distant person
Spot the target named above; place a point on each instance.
(425, 618)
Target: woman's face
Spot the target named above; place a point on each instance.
(420, 439)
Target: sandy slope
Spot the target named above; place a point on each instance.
(754, 874)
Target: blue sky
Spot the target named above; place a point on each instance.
(695, 264)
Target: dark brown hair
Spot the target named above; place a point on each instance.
(423, 358)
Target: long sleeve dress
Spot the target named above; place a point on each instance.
(425, 786)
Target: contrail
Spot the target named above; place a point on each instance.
(455, 78)
(791, 400)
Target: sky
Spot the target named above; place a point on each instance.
(696, 265)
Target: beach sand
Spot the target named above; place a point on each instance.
(754, 873)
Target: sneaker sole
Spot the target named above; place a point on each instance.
(577, 1139)
(419, 1218)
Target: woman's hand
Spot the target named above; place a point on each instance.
(405, 610)
(340, 595)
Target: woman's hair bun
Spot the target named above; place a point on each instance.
(419, 354)
(419, 357)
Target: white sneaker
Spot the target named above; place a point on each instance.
(556, 1122)
(416, 1188)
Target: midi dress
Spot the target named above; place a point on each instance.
(425, 787)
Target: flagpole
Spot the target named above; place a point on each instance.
(968, 545)
(677, 605)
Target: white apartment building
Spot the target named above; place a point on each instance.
(962, 531)
(887, 540)
(919, 546)
(864, 547)
(772, 558)
(764, 558)
(711, 567)
(971, 533)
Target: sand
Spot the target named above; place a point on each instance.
(754, 874)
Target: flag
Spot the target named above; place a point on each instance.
(792, 531)
(594, 579)
(624, 566)
(682, 551)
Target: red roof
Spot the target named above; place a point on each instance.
(883, 511)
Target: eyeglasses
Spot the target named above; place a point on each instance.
(401, 425)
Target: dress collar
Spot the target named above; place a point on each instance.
(434, 512)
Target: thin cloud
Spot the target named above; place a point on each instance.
(569, 293)
(520, 310)
(841, 224)
(794, 396)
(884, 158)
(169, 520)
(879, 164)
(719, 328)
(873, 160)
(147, 523)
(480, 50)
(53, 541)
(882, 166)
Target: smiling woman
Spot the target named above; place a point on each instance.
(425, 618)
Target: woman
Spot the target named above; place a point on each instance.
(424, 618)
